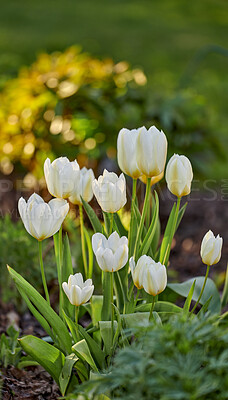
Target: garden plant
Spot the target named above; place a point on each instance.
(134, 308)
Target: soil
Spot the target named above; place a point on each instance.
(204, 212)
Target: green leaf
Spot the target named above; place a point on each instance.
(160, 306)
(121, 230)
(81, 349)
(210, 290)
(90, 251)
(106, 334)
(61, 333)
(51, 358)
(96, 307)
(188, 301)
(95, 350)
(180, 215)
(97, 226)
(135, 320)
(106, 307)
(66, 373)
(166, 244)
(152, 229)
(225, 290)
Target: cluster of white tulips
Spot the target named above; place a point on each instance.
(141, 154)
(133, 262)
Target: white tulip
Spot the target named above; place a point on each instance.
(77, 291)
(61, 176)
(41, 219)
(83, 187)
(151, 151)
(112, 253)
(126, 152)
(110, 191)
(149, 275)
(179, 175)
(211, 248)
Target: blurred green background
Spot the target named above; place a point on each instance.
(181, 47)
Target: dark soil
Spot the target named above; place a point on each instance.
(204, 212)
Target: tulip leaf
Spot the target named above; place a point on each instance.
(106, 307)
(60, 332)
(135, 320)
(210, 290)
(152, 228)
(181, 214)
(96, 307)
(160, 306)
(133, 227)
(225, 290)
(188, 300)
(166, 242)
(106, 334)
(66, 374)
(81, 349)
(51, 358)
(95, 350)
(90, 252)
(96, 224)
(120, 228)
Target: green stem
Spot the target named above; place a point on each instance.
(42, 273)
(202, 290)
(130, 238)
(139, 233)
(152, 309)
(136, 298)
(83, 241)
(60, 245)
(111, 223)
(112, 308)
(76, 322)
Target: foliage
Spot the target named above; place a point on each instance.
(69, 99)
(10, 350)
(20, 250)
(184, 359)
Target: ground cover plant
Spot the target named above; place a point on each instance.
(133, 263)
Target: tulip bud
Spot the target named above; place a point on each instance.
(42, 220)
(149, 275)
(179, 175)
(151, 151)
(112, 253)
(83, 187)
(211, 248)
(110, 191)
(61, 176)
(126, 152)
(77, 291)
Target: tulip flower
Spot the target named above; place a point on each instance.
(42, 220)
(149, 275)
(179, 175)
(77, 291)
(83, 187)
(211, 248)
(61, 176)
(151, 151)
(112, 253)
(110, 191)
(210, 252)
(126, 152)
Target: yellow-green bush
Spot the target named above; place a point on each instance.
(66, 103)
